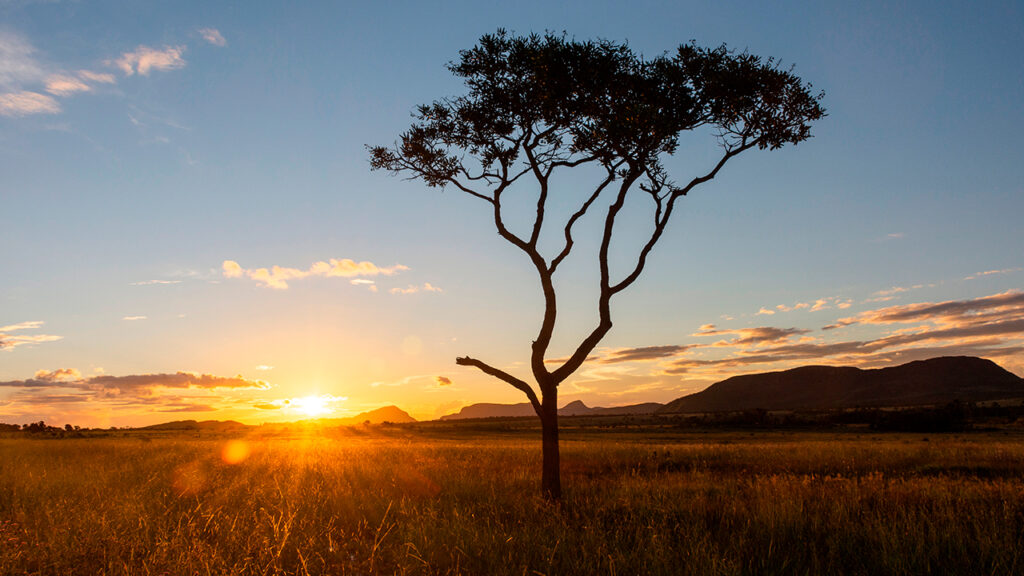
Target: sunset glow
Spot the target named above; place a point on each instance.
(192, 231)
(312, 405)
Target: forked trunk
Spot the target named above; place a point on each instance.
(551, 481)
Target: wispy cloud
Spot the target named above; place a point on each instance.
(10, 341)
(133, 318)
(144, 59)
(64, 85)
(443, 381)
(24, 78)
(213, 36)
(18, 64)
(154, 282)
(26, 103)
(988, 326)
(277, 277)
(977, 275)
(71, 378)
(412, 289)
(643, 354)
(751, 336)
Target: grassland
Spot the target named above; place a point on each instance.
(416, 500)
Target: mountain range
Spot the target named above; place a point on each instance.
(574, 408)
(392, 414)
(936, 381)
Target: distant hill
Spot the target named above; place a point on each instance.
(392, 414)
(935, 381)
(205, 425)
(574, 408)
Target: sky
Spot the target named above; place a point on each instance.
(191, 229)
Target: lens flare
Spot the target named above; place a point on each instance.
(235, 452)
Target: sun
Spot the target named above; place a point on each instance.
(312, 405)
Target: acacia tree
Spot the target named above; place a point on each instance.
(538, 105)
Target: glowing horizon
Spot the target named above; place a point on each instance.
(192, 231)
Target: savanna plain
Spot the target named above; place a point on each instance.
(465, 499)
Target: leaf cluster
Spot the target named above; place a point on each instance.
(546, 100)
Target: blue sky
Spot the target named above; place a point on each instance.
(142, 146)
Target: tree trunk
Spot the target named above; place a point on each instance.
(551, 481)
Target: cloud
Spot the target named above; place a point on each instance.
(58, 375)
(264, 367)
(1006, 305)
(18, 66)
(132, 318)
(988, 326)
(765, 311)
(277, 277)
(32, 325)
(25, 103)
(645, 353)
(10, 341)
(144, 59)
(190, 407)
(443, 381)
(154, 282)
(267, 406)
(977, 275)
(213, 36)
(751, 336)
(64, 85)
(71, 378)
(412, 289)
(97, 77)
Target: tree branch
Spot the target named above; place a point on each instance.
(604, 299)
(579, 214)
(504, 376)
(663, 222)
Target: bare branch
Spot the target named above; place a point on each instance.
(659, 226)
(579, 214)
(504, 376)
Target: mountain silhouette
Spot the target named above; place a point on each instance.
(936, 381)
(574, 408)
(392, 414)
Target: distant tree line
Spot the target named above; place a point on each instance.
(956, 416)
(41, 428)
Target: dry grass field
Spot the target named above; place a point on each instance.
(393, 500)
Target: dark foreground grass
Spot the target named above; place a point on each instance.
(399, 503)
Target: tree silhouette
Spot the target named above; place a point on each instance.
(541, 104)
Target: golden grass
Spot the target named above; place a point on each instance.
(400, 503)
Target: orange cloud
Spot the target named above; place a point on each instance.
(144, 59)
(9, 341)
(645, 353)
(277, 277)
(752, 336)
(411, 289)
(989, 326)
(71, 378)
(62, 85)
